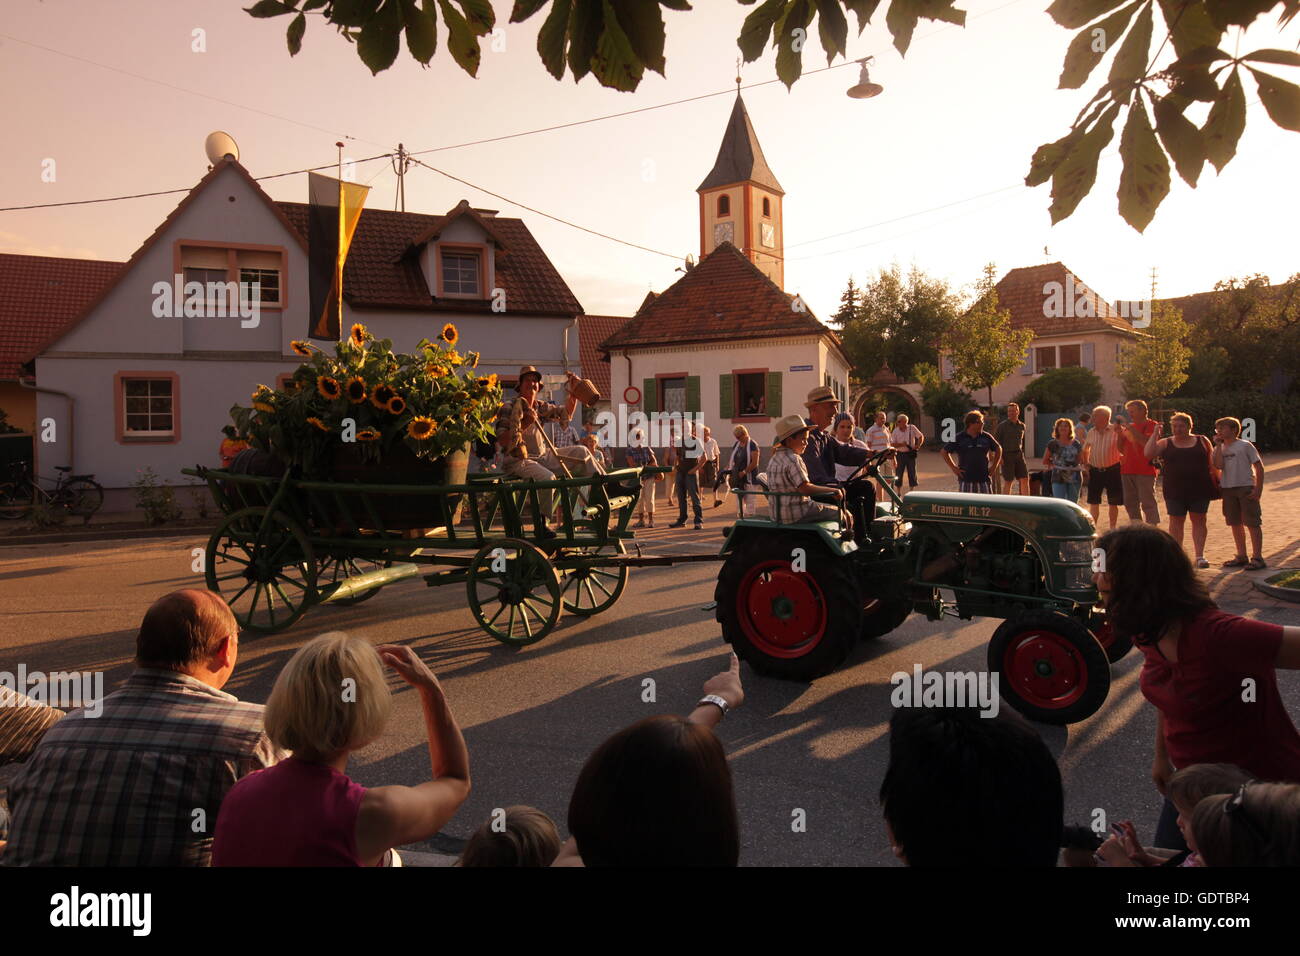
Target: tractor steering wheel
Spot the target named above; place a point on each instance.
(872, 461)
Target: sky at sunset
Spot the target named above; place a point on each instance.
(113, 92)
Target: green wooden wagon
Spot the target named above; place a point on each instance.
(285, 545)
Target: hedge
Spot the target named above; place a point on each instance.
(1277, 417)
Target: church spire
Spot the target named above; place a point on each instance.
(740, 158)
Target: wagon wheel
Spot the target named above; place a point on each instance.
(514, 591)
(590, 590)
(334, 569)
(262, 566)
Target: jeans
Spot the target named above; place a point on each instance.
(1069, 490)
(688, 485)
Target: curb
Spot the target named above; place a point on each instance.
(104, 534)
(1282, 594)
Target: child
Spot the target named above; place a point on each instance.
(787, 474)
(1186, 789)
(1242, 484)
(525, 836)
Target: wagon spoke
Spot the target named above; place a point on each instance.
(252, 605)
(523, 615)
(239, 594)
(283, 597)
(270, 605)
(500, 610)
(596, 581)
(510, 628)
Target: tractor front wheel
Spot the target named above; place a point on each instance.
(1050, 667)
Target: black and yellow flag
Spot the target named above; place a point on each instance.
(335, 209)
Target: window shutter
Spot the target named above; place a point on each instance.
(726, 397)
(650, 395)
(693, 393)
(1028, 367)
(774, 394)
(1088, 359)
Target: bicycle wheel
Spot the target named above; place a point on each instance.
(13, 504)
(81, 497)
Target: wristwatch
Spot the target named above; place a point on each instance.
(715, 699)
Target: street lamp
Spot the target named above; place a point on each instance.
(865, 89)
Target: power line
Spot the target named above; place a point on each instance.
(173, 192)
(545, 215)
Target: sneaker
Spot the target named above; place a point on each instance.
(1202, 563)
(678, 524)
(699, 526)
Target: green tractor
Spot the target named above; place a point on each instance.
(794, 599)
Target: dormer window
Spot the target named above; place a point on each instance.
(460, 271)
(767, 208)
(724, 205)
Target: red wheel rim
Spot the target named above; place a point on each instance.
(1045, 669)
(1104, 635)
(782, 612)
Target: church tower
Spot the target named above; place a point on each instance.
(740, 200)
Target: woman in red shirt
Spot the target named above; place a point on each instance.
(1211, 675)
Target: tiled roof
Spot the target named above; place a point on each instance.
(1196, 308)
(740, 158)
(383, 272)
(1021, 292)
(40, 298)
(592, 330)
(725, 297)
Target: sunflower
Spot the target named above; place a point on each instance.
(472, 359)
(396, 405)
(382, 395)
(328, 387)
(449, 334)
(421, 428)
(302, 348)
(492, 380)
(462, 396)
(369, 434)
(262, 393)
(454, 357)
(356, 389)
(313, 420)
(358, 335)
(263, 407)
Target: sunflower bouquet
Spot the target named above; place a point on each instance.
(367, 399)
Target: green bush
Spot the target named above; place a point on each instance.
(156, 500)
(1061, 389)
(1277, 417)
(941, 399)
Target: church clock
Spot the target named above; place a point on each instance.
(724, 232)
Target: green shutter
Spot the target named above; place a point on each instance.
(726, 397)
(650, 395)
(693, 393)
(774, 394)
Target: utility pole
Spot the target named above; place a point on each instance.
(401, 163)
(1153, 283)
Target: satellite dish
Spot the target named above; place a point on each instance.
(865, 89)
(690, 262)
(219, 145)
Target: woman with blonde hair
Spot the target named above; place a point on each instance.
(1062, 457)
(330, 699)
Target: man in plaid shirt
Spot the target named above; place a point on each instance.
(142, 783)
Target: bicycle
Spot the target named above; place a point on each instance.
(77, 495)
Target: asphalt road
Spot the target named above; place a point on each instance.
(532, 716)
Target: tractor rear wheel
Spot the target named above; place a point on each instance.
(1115, 647)
(795, 625)
(1050, 667)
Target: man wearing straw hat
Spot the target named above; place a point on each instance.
(525, 451)
(824, 452)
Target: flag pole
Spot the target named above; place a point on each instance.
(338, 251)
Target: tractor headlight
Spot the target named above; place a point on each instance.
(1078, 579)
(1076, 551)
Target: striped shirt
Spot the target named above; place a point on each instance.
(878, 438)
(1105, 447)
(139, 785)
(23, 722)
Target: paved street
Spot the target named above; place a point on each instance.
(532, 716)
